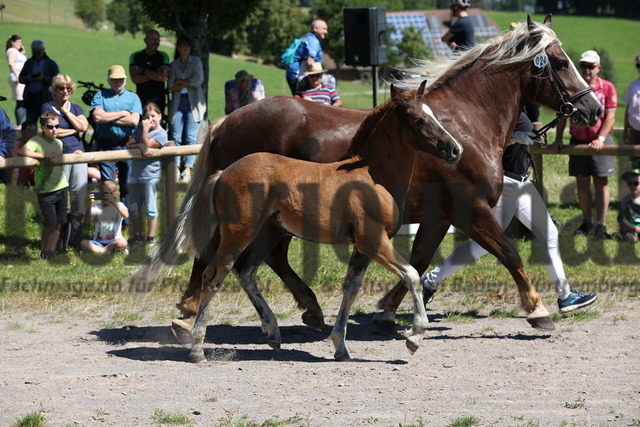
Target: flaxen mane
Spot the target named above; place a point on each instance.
(518, 45)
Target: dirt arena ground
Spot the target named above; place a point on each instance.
(78, 370)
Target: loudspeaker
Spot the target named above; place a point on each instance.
(365, 35)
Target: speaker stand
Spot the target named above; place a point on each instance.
(374, 80)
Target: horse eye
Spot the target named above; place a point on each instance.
(563, 65)
(419, 122)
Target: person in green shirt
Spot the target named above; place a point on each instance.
(51, 183)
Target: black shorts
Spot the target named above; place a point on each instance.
(53, 207)
(591, 165)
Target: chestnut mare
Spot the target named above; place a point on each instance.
(478, 96)
(357, 201)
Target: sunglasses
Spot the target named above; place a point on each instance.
(50, 127)
(633, 183)
(63, 88)
(588, 66)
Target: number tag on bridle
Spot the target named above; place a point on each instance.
(541, 60)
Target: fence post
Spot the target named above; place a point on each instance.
(170, 187)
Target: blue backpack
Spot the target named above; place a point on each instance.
(286, 59)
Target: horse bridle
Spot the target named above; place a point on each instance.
(567, 108)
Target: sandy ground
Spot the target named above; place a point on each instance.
(78, 371)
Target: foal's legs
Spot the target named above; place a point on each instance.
(425, 245)
(387, 256)
(355, 272)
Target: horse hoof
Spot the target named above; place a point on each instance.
(413, 343)
(342, 357)
(542, 323)
(273, 343)
(384, 320)
(182, 331)
(313, 320)
(197, 357)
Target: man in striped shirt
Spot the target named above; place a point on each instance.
(316, 91)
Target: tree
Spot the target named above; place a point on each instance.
(91, 12)
(199, 20)
(411, 46)
(267, 31)
(127, 16)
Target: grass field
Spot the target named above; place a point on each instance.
(86, 56)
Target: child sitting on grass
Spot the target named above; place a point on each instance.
(108, 213)
(629, 215)
(144, 175)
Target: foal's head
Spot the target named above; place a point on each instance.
(427, 134)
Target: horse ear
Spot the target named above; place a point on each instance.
(530, 24)
(547, 20)
(395, 93)
(421, 89)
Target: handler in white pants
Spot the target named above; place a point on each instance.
(521, 199)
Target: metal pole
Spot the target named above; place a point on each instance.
(374, 81)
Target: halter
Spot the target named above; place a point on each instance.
(567, 108)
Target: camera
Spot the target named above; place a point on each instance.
(98, 195)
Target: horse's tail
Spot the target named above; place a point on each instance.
(203, 221)
(170, 250)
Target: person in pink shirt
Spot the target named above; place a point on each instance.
(598, 168)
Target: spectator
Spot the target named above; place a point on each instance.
(308, 52)
(519, 199)
(36, 75)
(23, 176)
(108, 214)
(116, 112)
(7, 139)
(460, 35)
(317, 91)
(187, 108)
(632, 115)
(72, 123)
(144, 176)
(149, 70)
(51, 184)
(15, 59)
(629, 215)
(598, 167)
(242, 91)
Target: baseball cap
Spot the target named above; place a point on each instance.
(117, 72)
(37, 44)
(633, 173)
(591, 57)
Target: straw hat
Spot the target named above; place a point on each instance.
(316, 68)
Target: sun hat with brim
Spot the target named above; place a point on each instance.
(243, 74)
(117, 72)
(633, 173)
(590, 57)
(316, 68)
